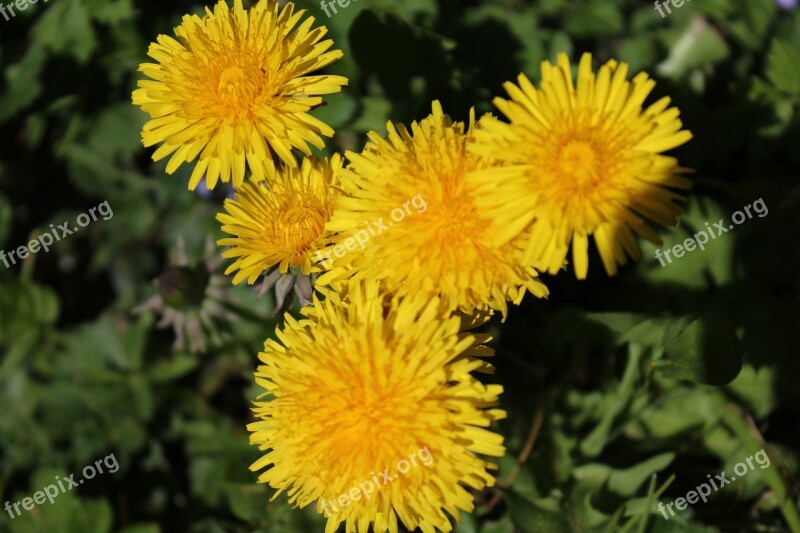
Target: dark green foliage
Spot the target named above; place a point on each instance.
(621, 392)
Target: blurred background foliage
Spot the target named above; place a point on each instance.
(620, 391)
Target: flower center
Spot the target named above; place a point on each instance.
(237, 88)
(373, 416)
(297, 227)
(579, 161)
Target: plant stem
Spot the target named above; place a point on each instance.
(742, 426)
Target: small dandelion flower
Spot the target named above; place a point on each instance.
(581, 160)
(362, 383)
(407, 197)
(281, 223)
(235, 90)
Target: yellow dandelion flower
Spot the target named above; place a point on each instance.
(234, 89)
(581, 160)
(358, 388)
(282, 223)
(409, 203)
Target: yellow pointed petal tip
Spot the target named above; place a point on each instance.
(233, 90)
(375, 395)
(577, 157)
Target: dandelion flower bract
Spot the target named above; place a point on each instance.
(581, 159)
(435, 239)
(360, 384)
(234, 89)
(192, 300)
(281, 223)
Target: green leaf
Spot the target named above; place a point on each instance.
(67, 513)
(753, 24)
(632, 327)
(110, 11)
(23, 82)
(542, 516)
(627, 482)
(337, 111)
(700, 268)
(178, 365)
(592, 475)
(248, 501)
(680, 411)
(119, 344)
(755, 388)
(705, 349)
(25, 309)
(597, 18)
(614, 404)
(783, 67)
(581, 501)
(374, 114)
(699, 45)
(469, 524)
(65, 27)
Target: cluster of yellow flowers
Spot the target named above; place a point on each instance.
(382, 364)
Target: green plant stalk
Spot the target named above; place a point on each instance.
(650, 497)
(594, 443)
(754, 442)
